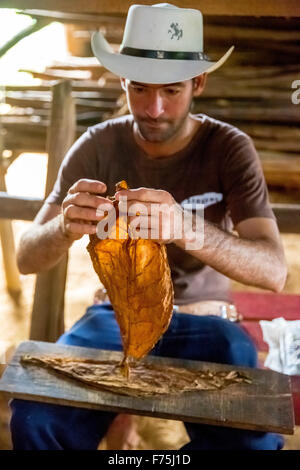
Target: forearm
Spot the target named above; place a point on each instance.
(254, 262)
(42, 247)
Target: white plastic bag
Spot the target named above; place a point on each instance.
(283, 338)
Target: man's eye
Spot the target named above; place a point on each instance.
(139, 89)
(172, 91)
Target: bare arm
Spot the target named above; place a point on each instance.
(256, 257)
(56, 227)
(44, 244)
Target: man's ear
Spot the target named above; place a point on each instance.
(199, 83)
(123, 83)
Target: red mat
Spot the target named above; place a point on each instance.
(256, 306)
(260, 306)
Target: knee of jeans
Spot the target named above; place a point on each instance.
(243, 353)
(239, 348)
(28, 416)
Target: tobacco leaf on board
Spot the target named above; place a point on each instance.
(145, 379)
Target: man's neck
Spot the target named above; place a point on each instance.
(171, 146)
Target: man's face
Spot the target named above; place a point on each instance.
(159, 111)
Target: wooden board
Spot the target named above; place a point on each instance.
(264, 405)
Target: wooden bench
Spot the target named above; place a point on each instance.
(255, 306)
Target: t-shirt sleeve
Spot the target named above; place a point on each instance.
(79, 162)
(244, 185)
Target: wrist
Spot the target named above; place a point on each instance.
(63, 232)
(192, 238)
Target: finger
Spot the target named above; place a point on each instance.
(152, 227)
(145, 234)
(106, 208)
(80, 228)
(133, 207)
(82, 213)
(141, 220)
(137, 232)
(139, 227)
(146, 208)
(85, 200)
(144, 195)
(87, 185)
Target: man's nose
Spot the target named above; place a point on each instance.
(155, 106)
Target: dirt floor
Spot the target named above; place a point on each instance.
(82, 282)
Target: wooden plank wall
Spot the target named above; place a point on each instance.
(253, 90)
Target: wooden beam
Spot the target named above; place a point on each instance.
(59, 74)
(249, 111)
(77, 86)
(33, 28)
(281, 171)
(288, 217)
(77, 18)
(289, 8)
(42, 103)
(95, 71)
(19, 208)
(12, 207)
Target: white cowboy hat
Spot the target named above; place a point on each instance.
(161, 44)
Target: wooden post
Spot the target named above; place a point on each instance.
(12, 276)
(7, 241)
(47, 322)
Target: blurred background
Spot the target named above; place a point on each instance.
(40, 48)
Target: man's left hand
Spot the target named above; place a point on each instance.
(152, 214)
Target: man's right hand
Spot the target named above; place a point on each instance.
(79, 208)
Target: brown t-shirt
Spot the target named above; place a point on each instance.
(219, 168)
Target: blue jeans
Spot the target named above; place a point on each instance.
(209, 338)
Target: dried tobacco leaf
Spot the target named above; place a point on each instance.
(137, 277)
(146, 379)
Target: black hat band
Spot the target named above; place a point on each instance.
(169, 55)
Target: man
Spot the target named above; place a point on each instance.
(171, 156)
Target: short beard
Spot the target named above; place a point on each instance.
(161, 135)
